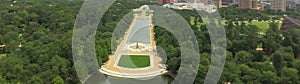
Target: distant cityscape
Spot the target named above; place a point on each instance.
(277, 5)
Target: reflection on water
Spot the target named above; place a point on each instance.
(99, 78)
(140, 32)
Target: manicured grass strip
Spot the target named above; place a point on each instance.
(134, 61)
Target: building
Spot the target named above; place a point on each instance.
(254, 4)
(227, 2)
(291, 5)
(278, 5)
(165, 1)
(217, 3)
(262, 5)
(251, 4)
(160, 1)
(235, 2)
(289, 22)
(297, 1)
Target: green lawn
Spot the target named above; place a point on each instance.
(134, 61)
(262, 26)
(2, 55)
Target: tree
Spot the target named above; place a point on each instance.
(173, 64)
(243, 57)
(277, 60)
(258, 56)
(10, 36)
(290, 75)
(13, 72)
(251, 38)
(230, 73)
(272, 39)
(292, 38)
(296, 63)
(60, 65)
(58, 80)
(205, 59)
(263, 66)
(269, 77)
(288, 55)
(2, 80)
(35, 80)
(202, 71)
(249, 75)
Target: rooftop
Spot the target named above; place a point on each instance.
(289, 22)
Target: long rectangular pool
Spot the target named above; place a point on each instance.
(140, 32)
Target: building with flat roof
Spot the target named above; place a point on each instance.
(278, 5)
(165, 1)
(251, 4)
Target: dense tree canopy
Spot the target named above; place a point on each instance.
(37, 35)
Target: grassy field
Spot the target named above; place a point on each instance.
(134, 61)
(2, 55)
(262, 26)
